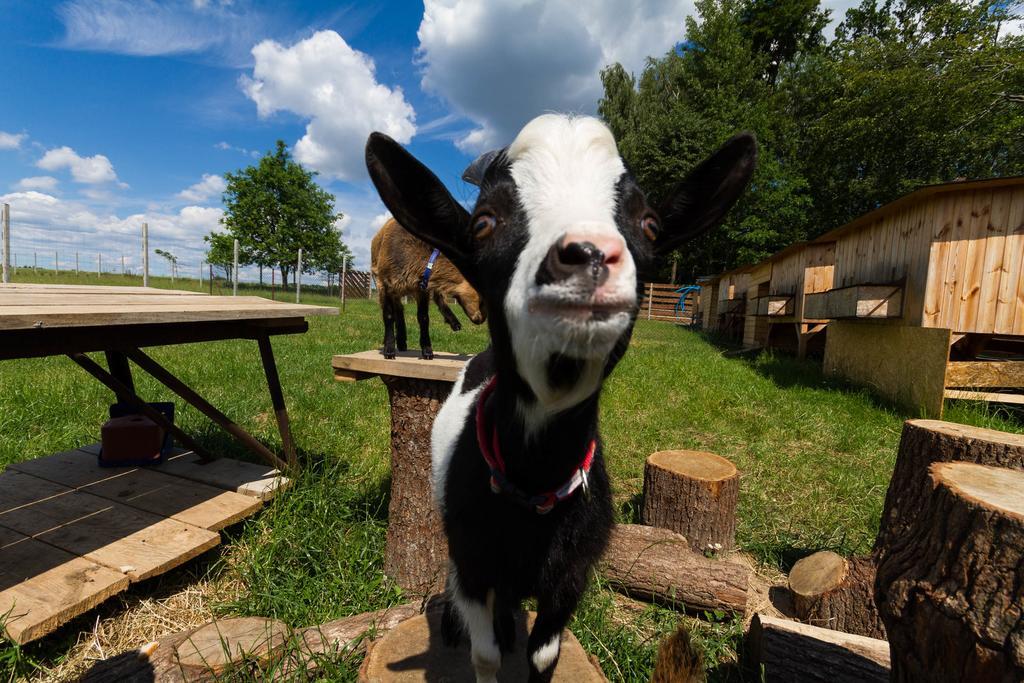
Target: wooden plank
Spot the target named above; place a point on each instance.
(985, 374)
(41, 300)
(445, 367)
(974, 264)
(246, 478)
(957, 262)
(905, 364)
(42, 587)
(992, 266)
(133, 542)
(992, 397)
(1010, 307)
(90, 289)
(856, 301)
(148, 489)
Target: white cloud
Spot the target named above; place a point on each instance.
(39, 182)
(11, 140)
(92, 170)
(379, 220)
(324, 80)
(210, 186)
(227, 147)
(341, 223)
(149, 28)
(503, 62)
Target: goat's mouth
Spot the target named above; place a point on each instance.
(581, 310)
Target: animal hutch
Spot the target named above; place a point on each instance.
(926, 295)
(723, 302)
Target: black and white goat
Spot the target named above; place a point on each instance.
(554, 246)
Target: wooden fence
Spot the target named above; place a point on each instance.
(357, 284)
(661, 302)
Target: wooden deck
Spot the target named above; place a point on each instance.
(73, 534)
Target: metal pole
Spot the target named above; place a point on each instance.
(298, 279)
(344, 270)
(145, 254)
(234, 273)
(273, 284)
(6, 229)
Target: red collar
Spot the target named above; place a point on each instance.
(541, 503)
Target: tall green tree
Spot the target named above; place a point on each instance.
(275, 208)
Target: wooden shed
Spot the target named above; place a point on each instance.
(927, 295)
(723, 300)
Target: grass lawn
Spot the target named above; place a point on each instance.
(815, 456)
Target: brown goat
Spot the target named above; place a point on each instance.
(397, 261)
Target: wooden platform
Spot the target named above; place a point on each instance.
(72, 533)
(445, 367)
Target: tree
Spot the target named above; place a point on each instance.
(221, 252)
(275, 208)
(172, 260)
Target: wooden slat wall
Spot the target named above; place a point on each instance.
(662, 306)
(733, 286)
(975, 277)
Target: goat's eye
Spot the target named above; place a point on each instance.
(650, 227)
(483, 226)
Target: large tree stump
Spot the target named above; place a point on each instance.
(833, 592)
(792, 652)
(413, 653)
(658, 565)
(951, 590)
(925, 442)
(694, 494)
(417, 551)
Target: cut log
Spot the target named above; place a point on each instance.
(925, 442)
(694, 494)
(658, 565)
(833, 592)
(951, 592)
(793, 652)
(417, 551)
(413, 652)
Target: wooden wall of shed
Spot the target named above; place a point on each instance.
(975, 280)
(804, 271)
(732, 286)
(709, 305)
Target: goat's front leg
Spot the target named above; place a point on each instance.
(388, 313)
(423, 317)
(399, 313)
(555, 604)
(478, 618)
(446, 312)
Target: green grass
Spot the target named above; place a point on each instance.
(815, 457)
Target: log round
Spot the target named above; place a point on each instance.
(216, 646)
(837, 593)
(417, 552)
(951, 592)
(655, 564)
(413, 653)
(694, 494)
(928, 441)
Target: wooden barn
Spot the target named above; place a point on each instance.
(923, 298)
(723, 302)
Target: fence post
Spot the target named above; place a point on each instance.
(210, 266)
(234, 272)
(76, 263)
(273, 284)
(56, 261)
(6, 229)
(145, 254)
(298, 278)
(99, 265)
(369, 285)
(344, 270)
(122, 264)
(650, 301)
(200, 276)
(35, 260)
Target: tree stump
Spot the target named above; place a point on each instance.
(417, 551)
(694, 494)
(951, 591)
(413, 653)
(925, 442)
(658, 565)
(833, 592)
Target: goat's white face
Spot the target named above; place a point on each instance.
(573, 291)
(557, 240)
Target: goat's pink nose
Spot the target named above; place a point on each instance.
(581, 255)
(609, 247)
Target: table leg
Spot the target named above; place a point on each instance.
(120, 369)
(277, 398)
(203, 406)
(128, 396)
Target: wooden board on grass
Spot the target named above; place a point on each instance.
(133, 542)
(42, 587)
(445, 367)
(147, 489)
(249, 479)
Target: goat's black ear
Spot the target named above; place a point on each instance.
(416, 198)
(702, 199)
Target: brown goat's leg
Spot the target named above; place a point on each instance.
(399, 312)
(447, 313)
(423, 318)
(387, 308)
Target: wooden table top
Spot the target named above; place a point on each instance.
(29, 306)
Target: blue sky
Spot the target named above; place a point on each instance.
(116, 112)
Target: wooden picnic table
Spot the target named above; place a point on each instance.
(72, 320)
